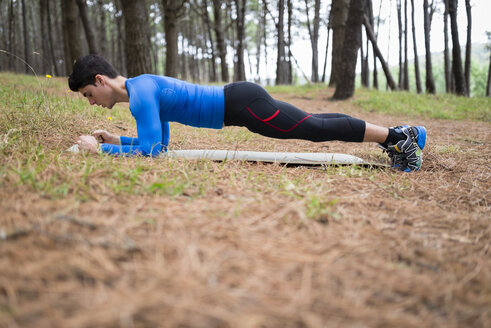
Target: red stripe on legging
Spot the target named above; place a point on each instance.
(265, 120)
(275, 127)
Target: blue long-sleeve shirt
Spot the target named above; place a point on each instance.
(157, 100)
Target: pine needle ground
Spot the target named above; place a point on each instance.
(97, 241)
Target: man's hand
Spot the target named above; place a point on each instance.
(88, 143)
(105, 137)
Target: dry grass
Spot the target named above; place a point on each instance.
(93, 241)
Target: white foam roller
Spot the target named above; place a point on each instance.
(272, 157)
(259, 156)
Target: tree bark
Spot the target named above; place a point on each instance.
(73, 47)
(259, 33)
(265, 40)
(456, 57)
(138, 60)
(339, 15)
(314, 38)
(363, 75)
(11, 45)
(366, 67)
(406, 66)
(240, 25)
(351, 44)
(399, 24)
(290, 40)
(213, 70)
(46, 38)
(390, 80)
(375, 69)
(416, 60)
(50, 39)
(121, 39)
(220, 39)
(27, 50)
(468, 49)
(89, 34)
(446, 55)
(323, 80)
(4, 41)
(102, 29)
(430, 81)
(488, 84)
(173, 10)
(281, 63)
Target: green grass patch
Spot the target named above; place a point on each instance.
(445, 106)
(441, 106)
(304, 90)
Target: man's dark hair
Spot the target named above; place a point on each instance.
(86, 68)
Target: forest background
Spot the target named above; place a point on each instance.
(269, 42)
(101, 241)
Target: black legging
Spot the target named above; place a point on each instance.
(248, 104)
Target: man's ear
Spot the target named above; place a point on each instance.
(100, 78)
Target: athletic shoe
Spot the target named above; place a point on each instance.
(407, 154)
(395, 157)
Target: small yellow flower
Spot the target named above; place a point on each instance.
(48, 76)
(109, 118)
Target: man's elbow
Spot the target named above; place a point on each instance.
(153, 150)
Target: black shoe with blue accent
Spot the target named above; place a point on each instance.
(406, 155)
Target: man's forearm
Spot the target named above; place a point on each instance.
(128, 141)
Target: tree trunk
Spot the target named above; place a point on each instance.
(240, 23)
(375, 70)
(289, 52)
(121, 39)
(416, 60)
(399, 24)
(265, 40)
(281, 63)
(314, 38)
(390, 80)
(138, 60)
(154, 45)
(363, 73)
(323, 80)
(102, 29)
(173, 10)
(406, 66)
(44, 31)
(259, 34)
(488, 84)
(213, 70)
(27, 50)
(339, 15)
(351, 44)
(456, 57)
(89, 34)
(430, 81)
(182, 60)
(468, 50)
(366, 66)
(11, 45)
(73, 47)
(388, 38)
(220, 39)
(446, 55)
(50, 39)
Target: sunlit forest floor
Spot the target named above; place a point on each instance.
(98, 241)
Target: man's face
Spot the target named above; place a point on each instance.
(99, 94)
